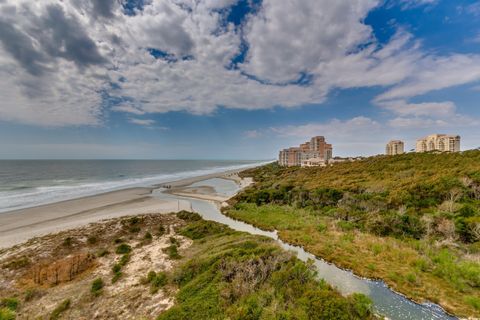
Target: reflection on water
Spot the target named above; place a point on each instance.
(387, 302)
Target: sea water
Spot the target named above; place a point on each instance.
(28, 183)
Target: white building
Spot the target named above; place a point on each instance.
(394, 147)
(438, 142)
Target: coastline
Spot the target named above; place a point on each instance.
(18, 226)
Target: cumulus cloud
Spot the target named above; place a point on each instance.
(73, 62)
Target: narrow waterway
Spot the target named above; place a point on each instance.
(387, 303)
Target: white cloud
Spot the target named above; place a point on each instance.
(435, 73)
(62, 63)
(431, 109)
(142, 122)
(354, 128)
(251, 134)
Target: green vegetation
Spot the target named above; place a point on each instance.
(172, 252)
(117, 267)
(156, 281)
(67, 242)
(8, 306)
(17, 264)
(97, 286)
(62, 307)
(412, 220)
(148, 236)
(123, 249)
(6, 314)
(233, 275)
(9, 303)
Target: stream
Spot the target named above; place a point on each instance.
(387, 302)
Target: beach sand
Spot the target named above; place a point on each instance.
(21, 225)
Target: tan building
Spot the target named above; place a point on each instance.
(290, 157)
(394, 147)
(438, 142)
(323, 148)
(316, 152)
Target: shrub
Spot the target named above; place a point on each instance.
(172, 252)
(157, 282)
(346, 225)
(148, 236)
(31, 294)
(62, 307)
(97, 286)
(161, 230)
(202, 229)
(67, 242)
(9, 303)
(124, 259)
(17, 264)
(123, 249)
(189, 216)
(6, 314)
(134, 229)
(321, 227)
(92, 240)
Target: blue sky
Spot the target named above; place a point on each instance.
(234, 79)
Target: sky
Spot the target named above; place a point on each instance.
(233, 79)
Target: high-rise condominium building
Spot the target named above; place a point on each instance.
(290, 157)
(438, 142)
(394, 147)
(313, 153)
(324, 149)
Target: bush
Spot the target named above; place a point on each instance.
(161, 230)
(123, 249)
(67, 242)
(92, 240)
(202, 229)
(148, 236)
(97, 286)
(156, 280)
(172, 252)
(6, 314)
(321, 227)
(189, 216)
(17, 264)
(62, 307)
(9, 303)
(31, 294)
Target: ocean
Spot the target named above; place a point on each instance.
(28, 183)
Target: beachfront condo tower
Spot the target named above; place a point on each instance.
(394, 147)
(439, 142)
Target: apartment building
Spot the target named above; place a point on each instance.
(315, 152)
(394, 147)
(438, 142)
(290, 157)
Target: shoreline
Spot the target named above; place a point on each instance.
(21, 225)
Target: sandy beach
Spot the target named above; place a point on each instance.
(21, 225)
